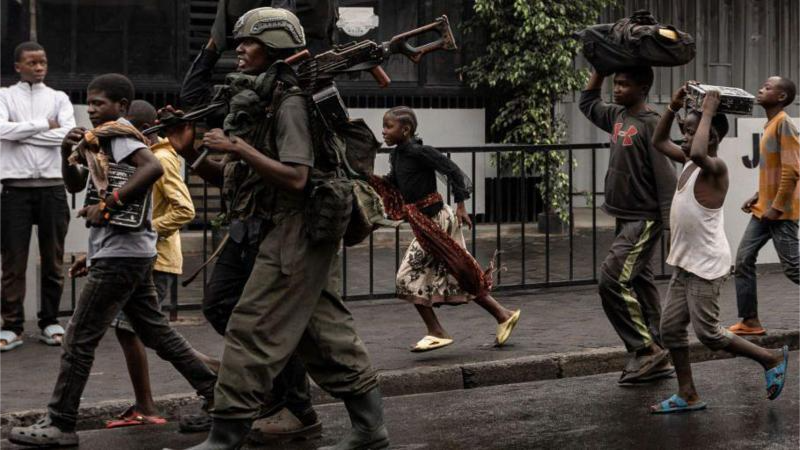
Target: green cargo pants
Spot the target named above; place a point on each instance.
(291, 301)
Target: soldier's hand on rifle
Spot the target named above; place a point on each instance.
(70, 140)
(181, 135)
(462, 215)
(96, 214)
(216, 140)
(78, 268)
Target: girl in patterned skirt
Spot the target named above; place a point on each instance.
(423, 279)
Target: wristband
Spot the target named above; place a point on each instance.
(104, 209)
(117, 201)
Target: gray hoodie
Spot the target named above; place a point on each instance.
(640, 181)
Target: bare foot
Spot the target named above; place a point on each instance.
(439, 334)
(777, 359)
(690, 399)
(211, 363)
(649, 350)
(507, 313)
(752, 322)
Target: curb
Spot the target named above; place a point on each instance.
(430, 379)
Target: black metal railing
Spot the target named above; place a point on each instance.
(532, 254)
(532, 250)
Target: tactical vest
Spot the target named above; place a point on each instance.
(244, 191)
(343, 157)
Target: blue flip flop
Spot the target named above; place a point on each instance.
(676, 404)
(776, 376)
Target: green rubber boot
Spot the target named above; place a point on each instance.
(225, 434)
(366, 417)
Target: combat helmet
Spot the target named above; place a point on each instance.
(274, 27)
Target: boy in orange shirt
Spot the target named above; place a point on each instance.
(776, 205)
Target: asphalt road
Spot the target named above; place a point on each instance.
(587, 412)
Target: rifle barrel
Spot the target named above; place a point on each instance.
(189, 117)
(199, 159)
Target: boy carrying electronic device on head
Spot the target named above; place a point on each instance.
(700, 253)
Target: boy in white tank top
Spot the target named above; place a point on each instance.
(701, 254)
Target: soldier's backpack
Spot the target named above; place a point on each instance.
(635, 41)
(342, 205)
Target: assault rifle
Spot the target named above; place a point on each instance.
(367, 55)
(316, 73)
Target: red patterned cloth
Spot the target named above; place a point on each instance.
(465, 269)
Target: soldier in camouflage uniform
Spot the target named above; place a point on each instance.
(287, 413)
(290, 301)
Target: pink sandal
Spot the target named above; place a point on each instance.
(131, 417)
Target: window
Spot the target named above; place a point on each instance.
(133, 37)
(13, 31)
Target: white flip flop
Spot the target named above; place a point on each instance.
(12, 340)
(49, 333)
(429, 343)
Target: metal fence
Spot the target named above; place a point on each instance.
(541, 255)
(533, 254)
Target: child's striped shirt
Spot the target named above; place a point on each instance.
(779, 169)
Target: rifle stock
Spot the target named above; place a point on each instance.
(369, 55)
(446, 41)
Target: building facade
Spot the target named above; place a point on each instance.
(153, 43)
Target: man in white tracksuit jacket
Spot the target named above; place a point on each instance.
(33, 121)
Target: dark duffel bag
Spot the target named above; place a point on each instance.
(636, 41)
(368, 214)
(361, 147)
(328, 209)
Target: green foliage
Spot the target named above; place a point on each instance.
(528, 63)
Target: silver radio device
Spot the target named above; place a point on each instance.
(732, 100)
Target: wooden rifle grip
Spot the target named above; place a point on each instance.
(380, 76)
(298, 57)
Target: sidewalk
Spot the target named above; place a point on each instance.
(562, 332)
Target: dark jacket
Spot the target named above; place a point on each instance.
(413, 170)
(640, 181)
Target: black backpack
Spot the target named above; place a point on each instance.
(635, 41)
